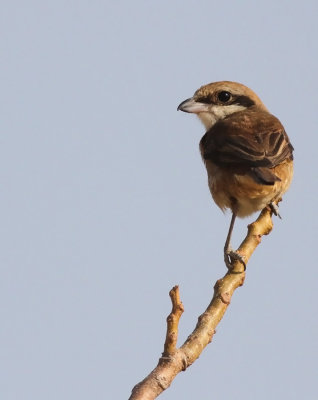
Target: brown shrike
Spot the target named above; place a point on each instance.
(246, 151)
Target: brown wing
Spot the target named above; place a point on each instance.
(254, 141)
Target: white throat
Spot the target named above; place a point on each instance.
(217, 112)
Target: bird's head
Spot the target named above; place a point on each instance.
(218, 100)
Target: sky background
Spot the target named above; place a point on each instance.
(105, 205)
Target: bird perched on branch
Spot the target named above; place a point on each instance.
(246, 151)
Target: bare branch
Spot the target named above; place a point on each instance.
(175, 360)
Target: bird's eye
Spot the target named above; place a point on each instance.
(224, 96)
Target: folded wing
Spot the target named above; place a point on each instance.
(254, 145)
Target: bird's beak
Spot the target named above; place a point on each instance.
(192, 106)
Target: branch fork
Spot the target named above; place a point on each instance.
(175, 360)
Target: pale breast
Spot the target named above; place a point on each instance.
(249, 196)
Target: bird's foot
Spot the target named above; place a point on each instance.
(230, 256)
(274, 209)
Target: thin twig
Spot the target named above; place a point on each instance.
(175, 360)
(173, 322)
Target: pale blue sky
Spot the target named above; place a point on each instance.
(105, 204)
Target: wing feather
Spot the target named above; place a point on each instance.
(247, 140)
(254, 143)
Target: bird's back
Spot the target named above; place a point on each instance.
(248, 157)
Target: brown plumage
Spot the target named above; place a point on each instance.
(246, 151)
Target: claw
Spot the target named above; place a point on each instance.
(274, 209)
(230, 255)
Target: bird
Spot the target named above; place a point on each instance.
(246, 151)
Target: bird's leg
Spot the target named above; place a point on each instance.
(227, 247)
(274, 208)
(229, 253)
